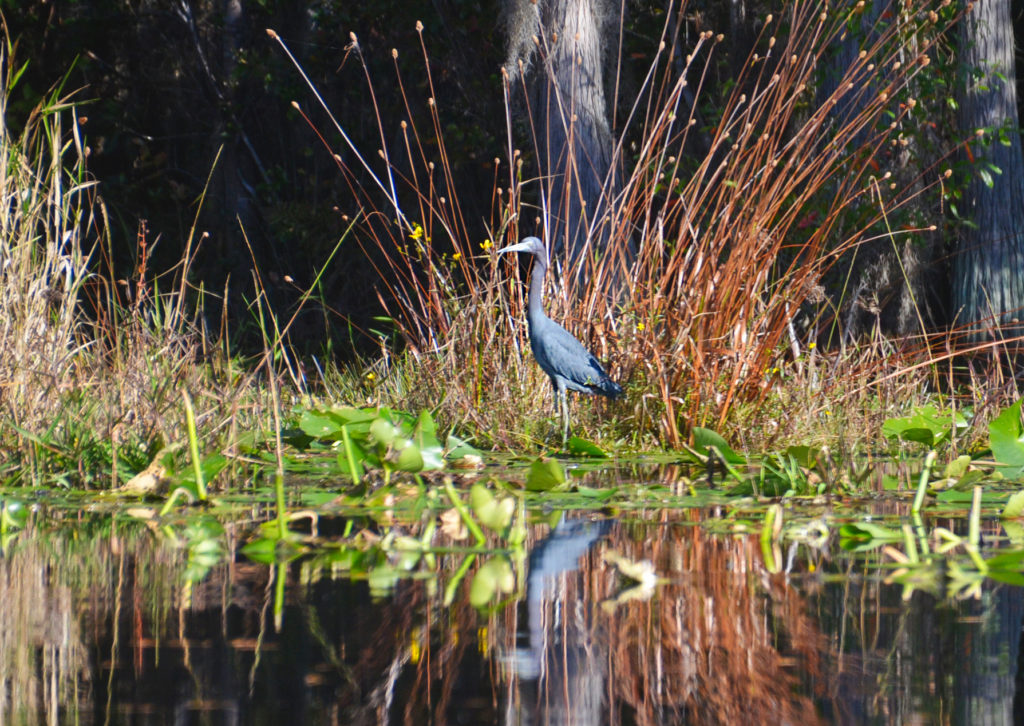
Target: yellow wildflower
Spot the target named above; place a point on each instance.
(417, 232)
(457, 256)
(414, 651)
(641, 327)
(486, 245)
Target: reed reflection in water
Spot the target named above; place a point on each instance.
(97, 626)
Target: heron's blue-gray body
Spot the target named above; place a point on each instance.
(568, 364)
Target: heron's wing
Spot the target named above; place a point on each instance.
(560, 354)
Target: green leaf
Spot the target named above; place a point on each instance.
(425, 424)
(594, 493)
(890, 483)
(482, 588)
(350, 459)
(704, 439)
(581, 447)
(973, 477)
(494, 576)
(382, 580)
(425, 436)
(1008, 577)
(925, 425)
(805, 456)
(1014, 508)
(433, 457)
(955, 496)
(317, 497)
(13, 515)
(262, 549)
(322, 425)
(958, 467)
(458, 449)
(410, 458)
(213, 465)
(924, 436)
(545, 474)
(358, 420)
(480, 497)
(493, 513)
(383, 431)
(869, 532)
(1010, 560)
(1014, 532)
(1006, 437)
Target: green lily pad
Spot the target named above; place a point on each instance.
(925, 425)
(958, 467)
(705, 439)
(805, 456)
(1014, 508)
(581, 447)
(383, 431)
(866, 535)
(323, 425)
(1006, 437)
(494, 513)
(545, 475)
(494, 576)
(459, 449)
(410, 458)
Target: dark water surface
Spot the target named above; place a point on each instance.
(100, 625)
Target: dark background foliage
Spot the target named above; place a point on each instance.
(163, 86)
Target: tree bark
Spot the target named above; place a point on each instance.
(988, 269)
(897, 284)
(561, 48)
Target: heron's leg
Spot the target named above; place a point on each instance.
(565, 417)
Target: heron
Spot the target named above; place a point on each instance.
(569, 365)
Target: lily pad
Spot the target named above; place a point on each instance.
(581, 447)
(705, 439)
(545, 475)
(1006, 438)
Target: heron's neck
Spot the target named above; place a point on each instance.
(535, 307)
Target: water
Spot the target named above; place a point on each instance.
(99, 625)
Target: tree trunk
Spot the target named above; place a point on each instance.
(988, 270)
(563, 77)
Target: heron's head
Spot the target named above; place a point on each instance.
(532, 245)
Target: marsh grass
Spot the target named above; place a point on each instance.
(92, 368)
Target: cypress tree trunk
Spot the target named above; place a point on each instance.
(564, 80)
(988, 270)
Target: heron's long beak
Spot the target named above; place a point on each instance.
(521, 247)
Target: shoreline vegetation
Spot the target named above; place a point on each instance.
(717, 322)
